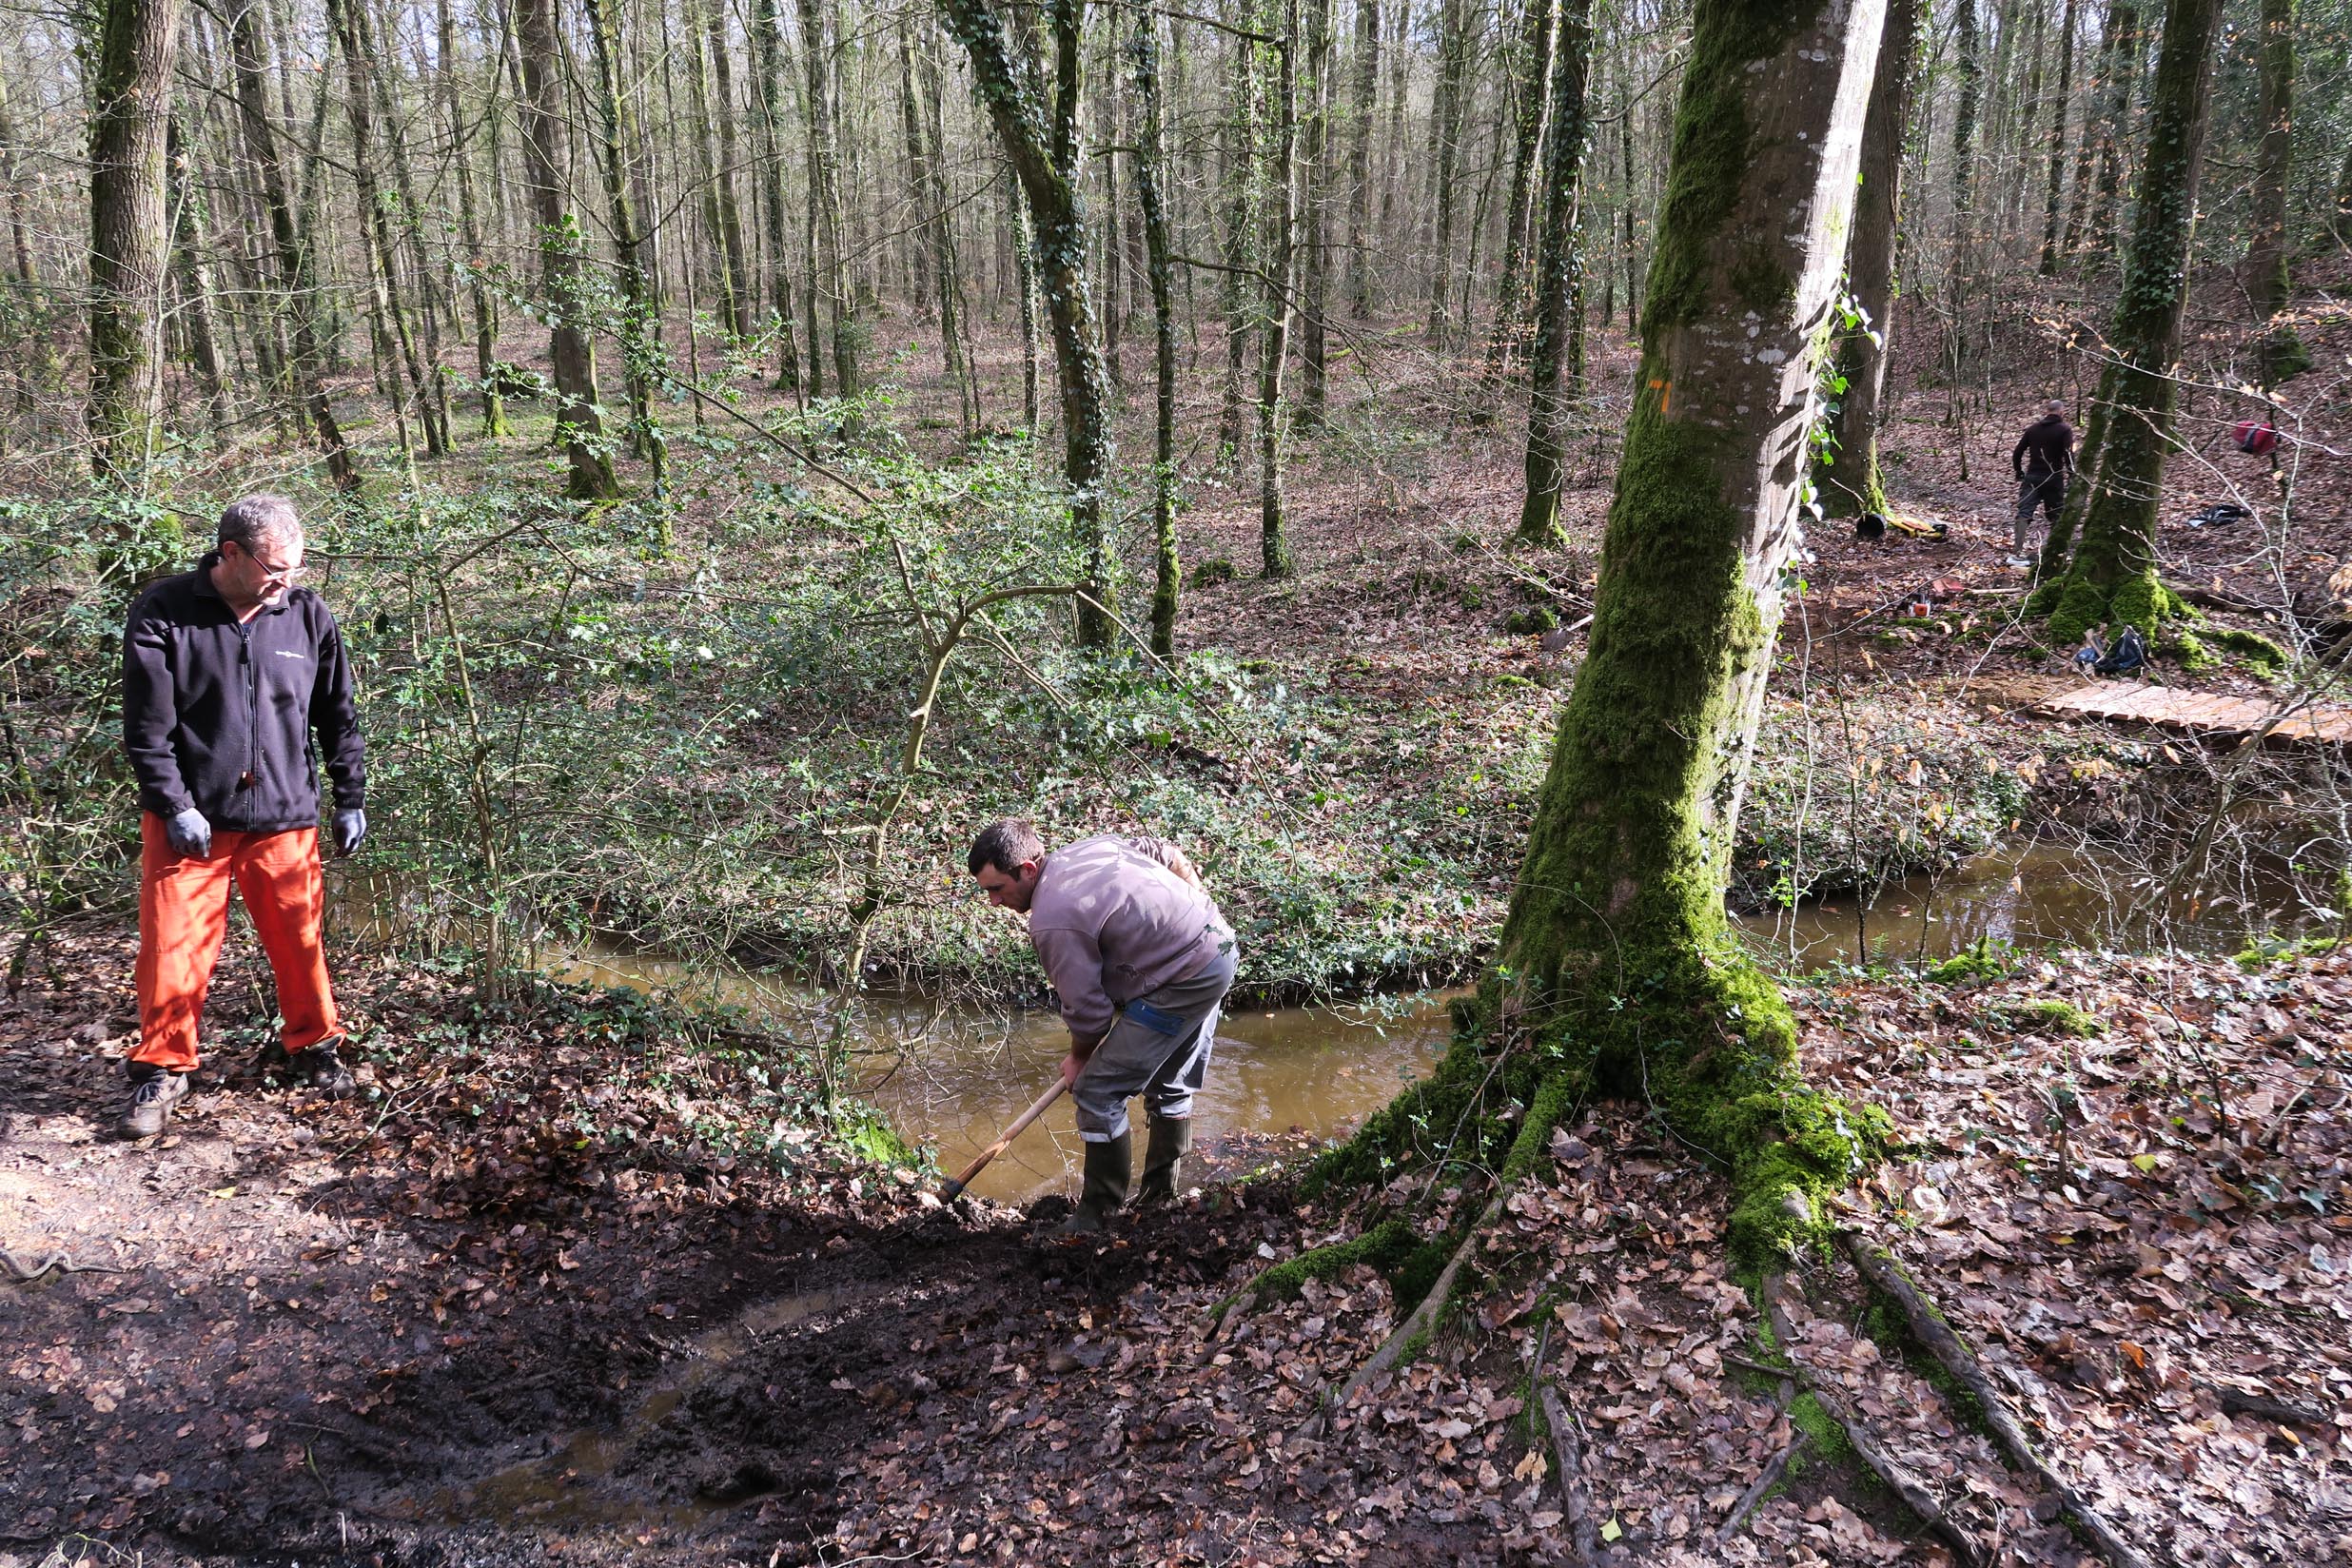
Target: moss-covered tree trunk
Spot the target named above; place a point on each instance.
(2112, 574)
(1040, 139)
(1616, 955)
(1846, 474)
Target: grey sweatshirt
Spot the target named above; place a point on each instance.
(1110, 922)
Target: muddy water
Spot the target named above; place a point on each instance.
(953, 1077)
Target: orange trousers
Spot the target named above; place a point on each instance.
(184, 915)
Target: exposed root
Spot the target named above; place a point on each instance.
(1417, 1324)
(1879, 1267)
(1899, 1480)
(1576, 1497)
(62, 1262)
(1777, 1467)
(2237, 1402)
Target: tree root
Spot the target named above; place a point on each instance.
(1899, 1479)
(1773, 1469)
(2237, 1402)
(1575, 1498)
(62, 1262)
(1879, 1267)
(1417, 1324)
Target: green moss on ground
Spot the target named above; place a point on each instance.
(1980, 960)
(2061, 1016)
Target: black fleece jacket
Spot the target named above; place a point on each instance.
(218, 714)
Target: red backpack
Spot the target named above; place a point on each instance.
(2256, 436)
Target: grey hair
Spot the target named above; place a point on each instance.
(2053, 406)
(257, 519)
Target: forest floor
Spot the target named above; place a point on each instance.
(575, 1285)
(579, 1282)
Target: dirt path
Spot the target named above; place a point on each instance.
(294, 1325)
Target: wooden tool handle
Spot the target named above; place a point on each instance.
(950, 1192)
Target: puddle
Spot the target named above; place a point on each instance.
(561, 1487)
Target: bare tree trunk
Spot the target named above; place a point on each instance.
(1241, 153)
(1846, 468)
(579, 422)
(1531, 89)
(1314, 285)
(2280, 353)
(130, 234)
(2057, 163)
(722, 221)
(1150, 155)
(767, 51)
(927, 216)
(640, 344)
(194, 271)
(348, 21)
(1629, 851)
(469, 230)
(956, 354)
(13, 176)
(1958, 276)
(818, 49)
(1024, 283)
(737, 274)
(1274, 345)
(1557, 292)
(1360, 159)
(1446, 113)
(249, 58)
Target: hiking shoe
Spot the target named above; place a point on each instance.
(151, 1099)
(323, 1071)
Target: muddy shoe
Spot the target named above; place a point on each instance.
(323, 1071)
(1164, 1159)
(151, 1099)
(1110, 1167)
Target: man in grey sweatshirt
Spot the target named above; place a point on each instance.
(1141, 960)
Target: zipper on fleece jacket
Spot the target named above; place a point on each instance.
(251, 777)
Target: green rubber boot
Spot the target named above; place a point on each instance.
(1109, 1167)
(1164, 1159)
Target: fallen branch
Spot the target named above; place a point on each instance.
(1879, 1267)
(1899, 1479)
(1575, 1498)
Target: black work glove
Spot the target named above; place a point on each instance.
(190, 834)
(350, 827)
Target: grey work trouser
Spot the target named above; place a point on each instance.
(1158, 1047)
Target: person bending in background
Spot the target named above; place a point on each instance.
(228, 673)
(1141, 960)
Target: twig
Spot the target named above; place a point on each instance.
(1879, 1267)
(1575, 1498)
(60, 1261)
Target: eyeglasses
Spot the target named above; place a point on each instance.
(275, 574)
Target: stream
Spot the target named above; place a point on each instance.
(953, 1076)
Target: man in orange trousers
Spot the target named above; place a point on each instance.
(229, 671)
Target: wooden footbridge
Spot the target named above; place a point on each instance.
(2200, 715)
